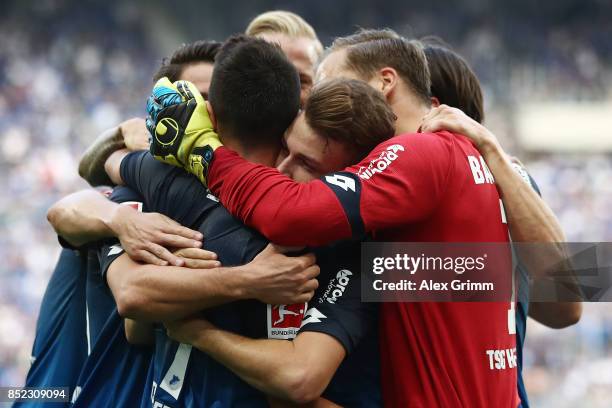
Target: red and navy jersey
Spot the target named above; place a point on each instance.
(184, 376)
(412, 188)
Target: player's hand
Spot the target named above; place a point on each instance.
(145, 236)
(188, 330)
(278, 279)
(197, 258)
(454, 120)
(135, 134)
(182, 133)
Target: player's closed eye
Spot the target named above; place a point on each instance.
(308, 166)
(305, 81)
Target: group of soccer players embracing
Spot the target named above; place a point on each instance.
(173, 290)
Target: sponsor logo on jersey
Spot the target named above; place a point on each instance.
(336, 287)
(502, 359)
(313, 315)
(381, 163)
(284, 321)
(114, 250)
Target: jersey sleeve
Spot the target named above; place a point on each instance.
(146, 177)
(166, 189)
(110, 249)
(399, 182)
(337, 310)
(518, 167)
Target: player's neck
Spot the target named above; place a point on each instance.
(409, 111)
(259, 155)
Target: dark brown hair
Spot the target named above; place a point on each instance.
(351, 112)
(371, 50)
(453, 82)
(191, 53)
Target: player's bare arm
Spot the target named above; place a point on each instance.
(530, 218)
(87, 216)
(131, 134)
(166, 293)
(297, 370)
(139, 332)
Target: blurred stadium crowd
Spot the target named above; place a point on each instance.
(69, 71)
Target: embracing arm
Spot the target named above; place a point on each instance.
(346, 204)
(88, 216)
(131, 134)
(82, 217)
(156, 293)
(530, 219)
(297, 370)
(91, 165)
(163, 293)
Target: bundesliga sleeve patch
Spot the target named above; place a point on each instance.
(134, 204)
(284, 321)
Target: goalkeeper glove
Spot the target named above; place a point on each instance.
(182, 133)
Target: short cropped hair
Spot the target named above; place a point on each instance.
(453, 81)
(283, 22)
(371, 50)
(351, 112)
(254, 90)
(191, 53)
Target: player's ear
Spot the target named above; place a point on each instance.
(435, 102)
(388, 78)
(211, 115)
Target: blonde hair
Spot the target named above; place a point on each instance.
(283, 22)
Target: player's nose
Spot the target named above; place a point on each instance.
(285, 166)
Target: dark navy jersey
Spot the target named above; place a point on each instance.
(187, 377)
(522, 304)
(60, 343)
(336, 310)
(114, 373)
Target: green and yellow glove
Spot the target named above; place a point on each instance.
(182, 133)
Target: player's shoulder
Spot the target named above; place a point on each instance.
(125, 195)
(438, 140)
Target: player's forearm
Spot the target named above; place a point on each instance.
(167, 293)
(91, 165)
(531, 222)
(82, 217)
(529, 217)
(272, 366)
(275, 205)
(556, 315)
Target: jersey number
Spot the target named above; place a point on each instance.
(345, 183)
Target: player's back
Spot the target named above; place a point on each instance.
(436, 354)
(59, 351)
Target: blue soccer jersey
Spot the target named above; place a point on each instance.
(184, 376)
(60, 344)
(115, 371)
